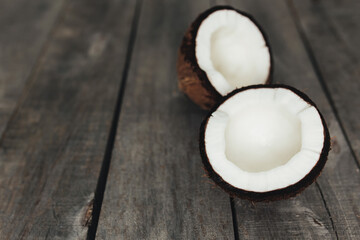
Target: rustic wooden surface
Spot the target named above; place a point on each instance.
(315, 218)
(97, 142)
(53, 146)
(155, 188)
(22, 23)
(332, 37)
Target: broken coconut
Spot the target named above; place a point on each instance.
(223, 49)
(264, 142)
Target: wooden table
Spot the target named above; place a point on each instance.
(97, 141)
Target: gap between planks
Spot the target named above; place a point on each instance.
(327, 209)
(110, 143)
(101, 184)
(234, 217)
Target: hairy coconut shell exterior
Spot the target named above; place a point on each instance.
(277, 194)
(193, 81)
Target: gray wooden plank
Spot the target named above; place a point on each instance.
(305, 216)
(329, 208)
(52, 149)
(156, 187)
(25, 26)
(332, 30)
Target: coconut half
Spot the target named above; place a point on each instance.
(264, 142)
(224, 49)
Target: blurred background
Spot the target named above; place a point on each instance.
(97, 141)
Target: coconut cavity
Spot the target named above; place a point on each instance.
(264, 138)
(232, 51)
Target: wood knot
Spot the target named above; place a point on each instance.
(86, 222)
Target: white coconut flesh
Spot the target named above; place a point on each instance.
(232, 51)
(264, 139)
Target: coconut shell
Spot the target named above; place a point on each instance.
(193, 81)
(278, 194)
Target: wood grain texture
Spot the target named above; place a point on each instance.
(156, 187)
(329, 208)
(25, 26)
(305, 216)
(52, 149)
(341, 186)
(332, 30)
